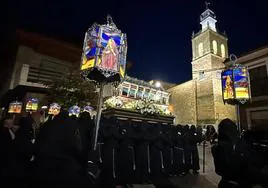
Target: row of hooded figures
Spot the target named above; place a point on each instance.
(127, 152)
(138, 152)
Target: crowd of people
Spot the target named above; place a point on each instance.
(127, 152)
(60, 152)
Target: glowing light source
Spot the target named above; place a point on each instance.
(158, 84)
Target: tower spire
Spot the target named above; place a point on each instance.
(207, 4)
(208, 18)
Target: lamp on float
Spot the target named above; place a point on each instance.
(158, 84)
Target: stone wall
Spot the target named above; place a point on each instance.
(205, 104)
(222, 110)
(183, 100)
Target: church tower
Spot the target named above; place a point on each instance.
(210, 50)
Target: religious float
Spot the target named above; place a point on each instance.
(139, 101)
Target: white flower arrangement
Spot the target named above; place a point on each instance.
(113, 102)
(144, 106)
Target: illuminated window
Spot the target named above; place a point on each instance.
(146, 93)
(140, 92)
(125, 91)
(152, 94)
(215, 47)
(223, 54)
(132, 91)
(201, 49)
(157, 97)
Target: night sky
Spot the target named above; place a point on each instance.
(159, 32)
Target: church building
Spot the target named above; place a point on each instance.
(199, 101)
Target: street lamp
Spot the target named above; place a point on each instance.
(235, 85)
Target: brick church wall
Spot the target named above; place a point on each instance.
(183, 99)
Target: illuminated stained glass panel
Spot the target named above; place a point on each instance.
(32, 104)
(15, 107)
(104, 52)
(54, 109)
(227, 84)
(74, 111)
(241, 83)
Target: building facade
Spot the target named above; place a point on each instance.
(37, 60)
(254, 115)
(199, 101)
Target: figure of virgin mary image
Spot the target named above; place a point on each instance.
(109, 56)
(228, 88)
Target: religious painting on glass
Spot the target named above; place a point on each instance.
(104, 52)
(241, 83)
(15, 107)
(54, 109)
(32, 105)
(227, 84)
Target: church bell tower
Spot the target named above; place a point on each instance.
(209, 51)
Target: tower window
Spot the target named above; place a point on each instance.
(215, 47)
(200, 49)
(201, 75)
(223, 53)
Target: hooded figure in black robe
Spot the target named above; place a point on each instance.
(168, 149)
(17, 162)
(59, 154)
(233, 161)
(178, 151)
(126, 155)
(143, 153)
(138, 134)
(194, 139)
(156, 152)
(187, 148)
(109, 172)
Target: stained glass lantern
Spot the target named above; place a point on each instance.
(54, 109)
(32, 105)
(104, 53)
(235, 85)
(88, 109)
(15, 107)
(74, 111)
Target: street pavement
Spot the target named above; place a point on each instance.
(206, 179)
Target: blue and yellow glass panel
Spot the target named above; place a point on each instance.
(32, 105)
(104, 51)
(227, 84)
(241, 83)
(74, 111)
(54, 109)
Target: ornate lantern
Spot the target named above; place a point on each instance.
(15, 107)
(235, 85)
(32, 105)
(54, 109)
(88, 109)
(74, 111)
(104, 53)
(104, 59)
